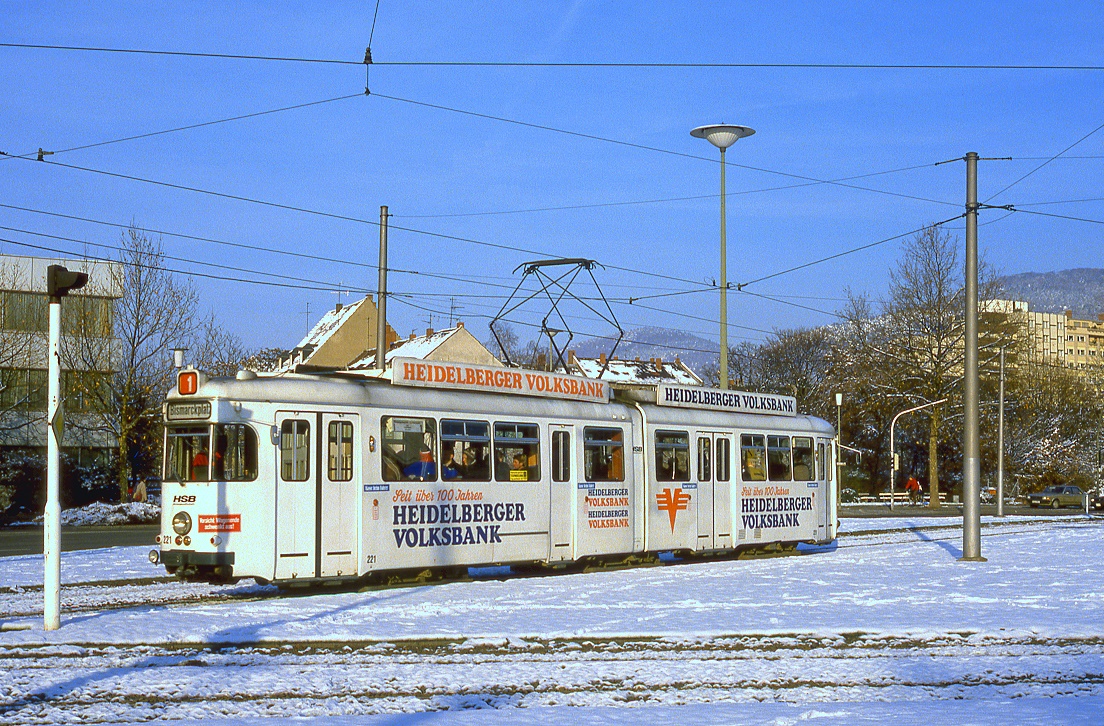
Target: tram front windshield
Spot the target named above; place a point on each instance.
(189, 456)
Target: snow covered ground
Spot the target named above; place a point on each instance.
(886, 625)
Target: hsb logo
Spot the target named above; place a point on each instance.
(184, 499)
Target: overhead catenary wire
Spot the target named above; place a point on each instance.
(656, 149)
(566, 64)
(667, 200)
(334, 215)
(1058, 216)
(845, 252)
(1040, 166)
(34, 154)
(257, 248)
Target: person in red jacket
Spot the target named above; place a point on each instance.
(912, 486)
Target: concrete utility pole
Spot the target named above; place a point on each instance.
(971, 445)
(381, 297)
(59, 281)
(1000, 440)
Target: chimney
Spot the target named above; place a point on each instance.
(602, 358)
(571, 357)
(459, 323)
(338, 308)
(412, 335)
(429, 332)
(1069, 315)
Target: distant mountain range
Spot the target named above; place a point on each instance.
(651, 342)
(1080, 290)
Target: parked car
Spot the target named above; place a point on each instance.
(1057, 496)
(1097, 501)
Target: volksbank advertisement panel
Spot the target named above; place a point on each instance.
(713, 399)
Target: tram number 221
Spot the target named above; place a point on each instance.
(370, 560)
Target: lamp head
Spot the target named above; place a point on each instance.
(722, 135)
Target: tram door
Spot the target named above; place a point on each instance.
(714, 473)
(825, 499)
(339, 439)
(296, 493)
(561, 509)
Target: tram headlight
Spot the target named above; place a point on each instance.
(182, 523)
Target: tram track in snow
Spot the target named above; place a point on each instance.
(96, 684)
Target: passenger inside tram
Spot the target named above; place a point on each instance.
(424, 469)
(199, 462)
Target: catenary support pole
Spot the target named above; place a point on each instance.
(1000, 440)
(381, 297)
(51, 583)
(971, 447)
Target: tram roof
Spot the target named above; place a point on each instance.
(364, 388)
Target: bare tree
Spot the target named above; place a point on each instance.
(218, 352)
(926, 307)
(156, 313)
(795, 363)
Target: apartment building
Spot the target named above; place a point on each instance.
(87, 324)
(1084, 342)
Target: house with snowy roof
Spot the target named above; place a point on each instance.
(341, 336)
(636, 372)
(452, 345)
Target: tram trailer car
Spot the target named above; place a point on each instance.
(304, 478)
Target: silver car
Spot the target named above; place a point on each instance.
(1058, 496)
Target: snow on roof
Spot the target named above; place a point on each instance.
(643, 372)
(419, 347)
(329, 324)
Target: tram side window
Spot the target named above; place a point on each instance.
(187, 453)
(603, 454)
(561, 456)
(803, 459)
(672, 456)
(724, 458)
(235, 453)
(408, 446)
(465, 447)
(753, 457)
(339, 444)
(295, 450)
(517, 452)
(778, 458)
(705, 467)
(822, 470)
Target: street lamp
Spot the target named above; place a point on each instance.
(892, 453)
(839, 441)
(723, 136)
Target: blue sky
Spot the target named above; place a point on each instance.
(349, 157)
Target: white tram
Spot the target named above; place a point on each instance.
(308, 478)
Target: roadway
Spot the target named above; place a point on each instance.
(28, 540)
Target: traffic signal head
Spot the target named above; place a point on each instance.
(59, 281)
